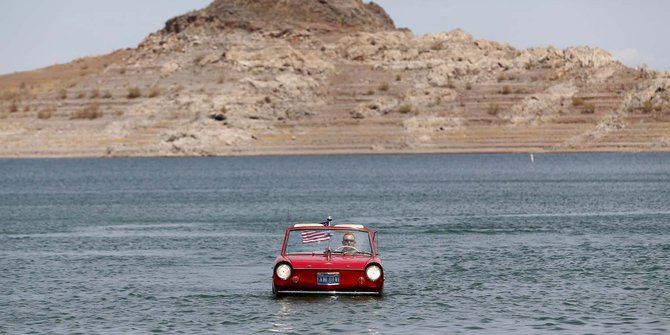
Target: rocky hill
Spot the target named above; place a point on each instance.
(323, 76)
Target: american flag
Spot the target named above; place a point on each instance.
(313, 236)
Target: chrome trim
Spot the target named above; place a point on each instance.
(329, 292)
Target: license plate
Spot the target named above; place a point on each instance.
(329, 279)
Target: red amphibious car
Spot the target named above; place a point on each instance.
(317, 258)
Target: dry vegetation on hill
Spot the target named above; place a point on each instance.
(301, 76)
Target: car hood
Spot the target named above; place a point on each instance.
(335, 261)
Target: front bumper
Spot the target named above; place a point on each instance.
(327, 293)
(351, 283)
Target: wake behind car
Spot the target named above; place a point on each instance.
(317, 258)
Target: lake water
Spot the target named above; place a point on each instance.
(473, 244)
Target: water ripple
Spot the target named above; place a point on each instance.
(471, 244)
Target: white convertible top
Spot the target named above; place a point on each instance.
(345, 225)
(298, 225)
(350, 225)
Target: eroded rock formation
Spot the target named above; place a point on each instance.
(306, 76)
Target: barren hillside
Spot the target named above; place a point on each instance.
(307, 76)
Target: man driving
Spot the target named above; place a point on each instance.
(348, 243)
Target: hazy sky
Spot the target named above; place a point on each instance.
(38, 33)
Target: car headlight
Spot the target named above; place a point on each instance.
(283, 271)
(373, 272)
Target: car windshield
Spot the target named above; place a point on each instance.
(307, 241)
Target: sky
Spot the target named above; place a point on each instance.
(39, 33)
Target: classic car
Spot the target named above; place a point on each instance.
(337, 259)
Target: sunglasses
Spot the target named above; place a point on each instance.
(349, 241)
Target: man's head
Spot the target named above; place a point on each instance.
(348, 239)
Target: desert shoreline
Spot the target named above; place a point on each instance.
(229, 80)
(289, 153)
